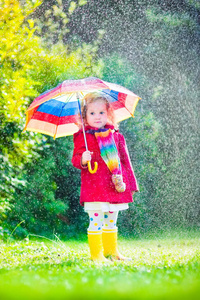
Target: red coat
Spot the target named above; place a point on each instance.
(99, 187)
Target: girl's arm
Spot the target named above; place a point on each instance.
(125, 160)
(79, 149)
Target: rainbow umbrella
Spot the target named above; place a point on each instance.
(56, 111)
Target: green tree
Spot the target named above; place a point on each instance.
(18, 47)
(27, 69)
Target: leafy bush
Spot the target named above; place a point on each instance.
(18, 46)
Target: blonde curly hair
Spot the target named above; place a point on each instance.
(94, 97)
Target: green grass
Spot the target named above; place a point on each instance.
(162, 268)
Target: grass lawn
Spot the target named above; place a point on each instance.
(162, 268)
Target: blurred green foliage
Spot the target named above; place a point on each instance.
(18, 47)
(29, 68)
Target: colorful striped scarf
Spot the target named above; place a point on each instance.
(108, 150)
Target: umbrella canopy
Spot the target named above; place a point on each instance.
(56, 111)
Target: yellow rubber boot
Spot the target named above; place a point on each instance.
(109, 237)
(96, 246)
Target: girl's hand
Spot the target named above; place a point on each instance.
(133, 192)
(86, 156)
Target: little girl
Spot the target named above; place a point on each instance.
(111, 188)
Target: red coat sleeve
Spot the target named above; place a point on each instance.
(79, 148)
(125, 160)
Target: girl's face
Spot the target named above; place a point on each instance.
(96, 114)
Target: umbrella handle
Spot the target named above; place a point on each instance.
(90, 168)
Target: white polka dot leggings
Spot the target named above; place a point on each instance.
(99, 219)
